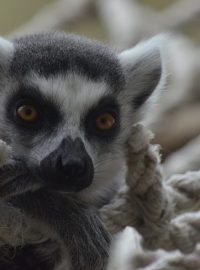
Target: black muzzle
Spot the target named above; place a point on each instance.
(67, 168)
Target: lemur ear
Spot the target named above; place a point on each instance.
(6, 50)
(143, 69)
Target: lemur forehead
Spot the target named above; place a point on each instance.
(58, 53)
(73, 92)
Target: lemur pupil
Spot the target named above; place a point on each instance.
(103, 120)
(28, 111)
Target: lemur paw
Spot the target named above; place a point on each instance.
(13, 174)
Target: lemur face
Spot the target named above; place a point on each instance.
(68, 104)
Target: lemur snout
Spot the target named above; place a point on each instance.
(73, 161)
(74, 167)
(69, 167)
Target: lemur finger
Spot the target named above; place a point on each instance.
(11, 170)
(16, 178)
(17, 185)
(13, 166)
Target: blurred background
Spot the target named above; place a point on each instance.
(121, 24)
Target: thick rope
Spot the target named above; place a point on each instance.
(163, 215)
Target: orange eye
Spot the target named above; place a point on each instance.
(27, 113)
(105, 121)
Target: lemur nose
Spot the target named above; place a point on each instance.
(73, 167)
(68, 168)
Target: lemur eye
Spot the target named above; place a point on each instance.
(105, 121)
(27, 113)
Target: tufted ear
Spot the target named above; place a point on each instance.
(6, 50)
(143, 68)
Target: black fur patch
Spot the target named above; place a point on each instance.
(48, 114)
(58, 53)
(106, 105)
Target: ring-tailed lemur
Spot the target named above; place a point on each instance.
(67, 106)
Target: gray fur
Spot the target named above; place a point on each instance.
(75, 79)
(68, 53)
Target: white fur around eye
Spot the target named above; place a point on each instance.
(74, 93)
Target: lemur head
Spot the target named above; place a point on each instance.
(68, 105)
